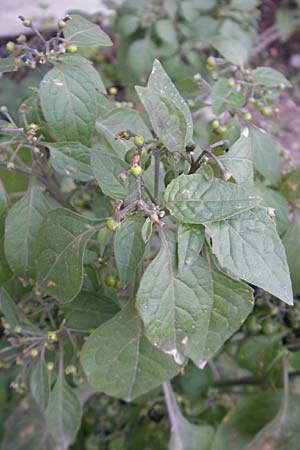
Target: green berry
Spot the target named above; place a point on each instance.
(50, 366)
(268, 327)
(139, 141)
(112, 224)
(266, 111)
(34, 352)
(10, 46)
(252, 325)
(52, 336)
(130, 154)
(211, 61)
(27, 22)
(251, 100)
(247, 116)
(215, 124)
(61, 24)
(144, 153)
(136, 170)
(72, 48)
(230, 83)
(110, 281)
(113, 91)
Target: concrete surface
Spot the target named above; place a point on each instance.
(41, 10)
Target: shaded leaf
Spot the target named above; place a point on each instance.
(63, 413)
(26, 429)
(119, 347)
(22, 226)
(129, 247)
(185, 435)
(71, 159)
(265, 155)
(60, 248)
(9, 309)
(40, 383)
(238, 160)
(291, 242)
(224, 98)
(89, 310)
(190, 242)
(270, 77)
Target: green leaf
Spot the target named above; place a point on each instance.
(128, 24)
(89, 310)
(167, 120)
(68, 100)
(274, 199)
(72, 159)
(129, 247)
(118, 347)
(166, 30)
(140, 57)
(190, 242)
(22, 226)
(233, 43)
(249, 247)
(185, 435)
(282, 433)
(147, 230)
(269, 77)
(265, 155)
(224, 98)
(87, 67)
(63, 413)
(5, 271)
(111, 172)
(286, 23)
(199, 199)
(246, 419)
(84, 33)
(198, 305)
(258, 353)
(244, 5)
(291, 242)
(9, 309)
(161, 83)
(60, 249)
(40, 383)
(238, 160)
(7, 64)
(26, 429)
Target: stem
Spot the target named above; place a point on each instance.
(156, 175)
(170, 400)
(248, 380)
(16, 168)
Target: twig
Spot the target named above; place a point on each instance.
(11, 166)
(248, 380)
(156, 175)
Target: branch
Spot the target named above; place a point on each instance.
(248, 380)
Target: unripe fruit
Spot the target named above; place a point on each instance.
(269, 327)
(130, 154)
(251, 100)
(144, 153)
(26, 22)
(21, 39)
(61, 24)
(10, 46)
(266, 111)
(215, 124)
(72, 48)
(112, 224)
(34, 352)
(52, 336)
(252, 325)
(110, 281)
(50, 366)
(139, 141)
(136, 170)
(211, 61)
(113, 91)
(230, 83)
(70, 370)
(247, 116)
